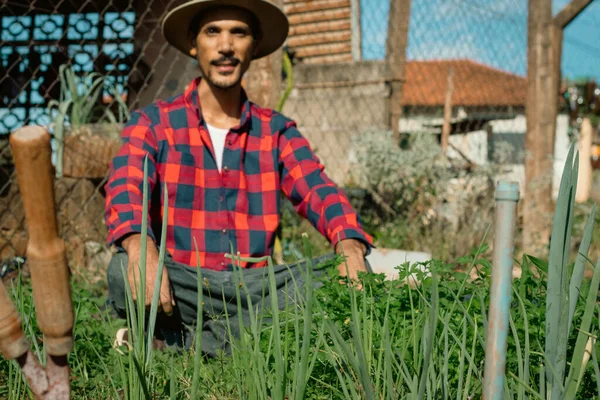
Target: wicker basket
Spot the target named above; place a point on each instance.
(90, 149)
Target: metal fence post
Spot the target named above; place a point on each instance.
(507, 196)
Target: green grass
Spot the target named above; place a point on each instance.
(387, 341)
(374, 343)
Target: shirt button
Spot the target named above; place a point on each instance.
(224, 231)
(221, 198)
(225, 169)
(223, 263)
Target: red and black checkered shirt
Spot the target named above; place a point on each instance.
(240, 206)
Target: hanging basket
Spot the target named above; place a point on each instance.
(90, 149)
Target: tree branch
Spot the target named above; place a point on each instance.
(570, 11)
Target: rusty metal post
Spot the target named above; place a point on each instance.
(507, 196)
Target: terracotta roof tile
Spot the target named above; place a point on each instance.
(475, 84)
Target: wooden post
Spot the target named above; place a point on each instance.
(45, 250)
(447, 110)
(544, 49)
(537, 206)
(584, 180)
(31, 150)
(397, 41)
(569, 12)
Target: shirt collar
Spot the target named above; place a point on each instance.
(192, 101)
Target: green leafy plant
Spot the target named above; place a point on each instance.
(563, 293)
(419, 199)
(79, 104)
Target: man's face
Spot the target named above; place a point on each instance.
(224, 46)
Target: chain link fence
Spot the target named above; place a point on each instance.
(468, 56)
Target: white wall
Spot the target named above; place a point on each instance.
(474, 144)
(561, 149)
(516, 172)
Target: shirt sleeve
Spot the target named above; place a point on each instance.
(124, 188)
(313, 194)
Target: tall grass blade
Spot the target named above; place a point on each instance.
(141, 378)
(429, 335)
(472, 366)
(338, 371)
(556, 307)
(526, 350)
(129, 305)
(106, 370)
(280, 373)
(365, 379)
(520, 367)
(172, 390)
(141, 288)
(596, 369)
(445, 381)
(471, 266)
(199, 325)
(461, 365)
(301, 379)
(91, 95)
(388, 356)
(279, 368)
(582, 338)
(159, 274)
(557, 384)
(542, 380)
(578, 270)
(525, 273)
(525, 385)
(467, 316)
(315, 355)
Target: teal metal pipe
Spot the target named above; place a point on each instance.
(507, 197)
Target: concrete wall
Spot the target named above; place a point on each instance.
(334, 103)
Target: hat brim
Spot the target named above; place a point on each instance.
(273, 22)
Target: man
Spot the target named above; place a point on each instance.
(223, 161)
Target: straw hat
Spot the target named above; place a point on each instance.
(273, 23)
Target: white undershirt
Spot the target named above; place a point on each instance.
(217, 137)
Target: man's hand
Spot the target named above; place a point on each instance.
(133, 247)
(354, 251)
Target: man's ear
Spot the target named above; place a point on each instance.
(192, 45)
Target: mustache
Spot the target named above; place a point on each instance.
(225, 60)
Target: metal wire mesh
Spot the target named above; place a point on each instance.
(341, 81)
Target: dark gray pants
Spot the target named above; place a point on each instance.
(219, 297)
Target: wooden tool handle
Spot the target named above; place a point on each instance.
(45, 250)
(13, 342)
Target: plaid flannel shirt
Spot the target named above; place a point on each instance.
(238, 207)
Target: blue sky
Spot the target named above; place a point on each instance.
(493, 32)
